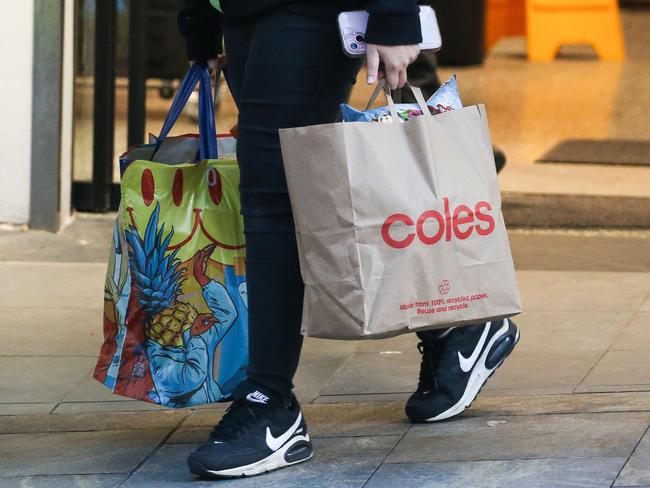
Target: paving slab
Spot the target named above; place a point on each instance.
(580, 250)
(86, 239)
(645, 306)
(335, 420)
(590, 291)
(365, 398)
(534, 473)
(52, 285)
(26, 408)
(385, 377)
(91, 390)
(82, 422)
(197, 425)
(345, 462)
(558, 331)
(619, 371)
(124, 405)
(74, 481)
(373, 372)
(636, 336)
(637, 470)
(33, 331)
(538, 372)
(368, 419)
(486, 405)
(315, 371)
(501, 438)
(40, 379)
(117, 451)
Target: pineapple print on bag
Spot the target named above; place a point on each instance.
(158, 279)
(181, 341)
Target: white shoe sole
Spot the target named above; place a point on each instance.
(480, 374)
(270, 463)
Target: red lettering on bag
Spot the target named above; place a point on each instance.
(447, 220)
(484, 217)
(385, 229)
(430, 214)
(460, 223)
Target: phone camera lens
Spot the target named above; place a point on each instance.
(360, 38)
(354, 46)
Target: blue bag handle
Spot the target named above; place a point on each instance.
(198, 73)
(207, 127)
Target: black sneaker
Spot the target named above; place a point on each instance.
(455, 366)
(258, 433)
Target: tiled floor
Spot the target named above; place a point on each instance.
(570, 408)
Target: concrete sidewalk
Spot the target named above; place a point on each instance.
(570, 408)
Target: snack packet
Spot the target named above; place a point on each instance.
(445, 99)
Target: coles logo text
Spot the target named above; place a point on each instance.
(459, 223)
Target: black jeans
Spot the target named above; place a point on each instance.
(285, 69)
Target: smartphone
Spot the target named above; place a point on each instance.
(352, 27)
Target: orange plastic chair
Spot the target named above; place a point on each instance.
(505, 18)
(553, 23)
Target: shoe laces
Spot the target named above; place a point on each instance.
(238, 418)
(431, 352)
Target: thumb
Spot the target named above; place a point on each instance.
(372, 56)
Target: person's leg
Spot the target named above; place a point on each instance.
(292, 73)
(285, 70)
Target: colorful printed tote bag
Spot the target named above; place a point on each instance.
(175, 305)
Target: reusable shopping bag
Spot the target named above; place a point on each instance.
(399, 225)
(175, 309)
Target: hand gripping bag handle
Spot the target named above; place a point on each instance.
(383, 86)
(197, 73)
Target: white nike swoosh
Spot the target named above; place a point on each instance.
(276, 443)
(466, 364)
(255, 399)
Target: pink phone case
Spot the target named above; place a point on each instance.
(352, 27)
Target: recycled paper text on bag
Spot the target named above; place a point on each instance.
(399, 226)
(175, 304)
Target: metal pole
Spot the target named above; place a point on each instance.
(104, 104)
(137, 71)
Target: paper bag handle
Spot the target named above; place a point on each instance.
(383, 86)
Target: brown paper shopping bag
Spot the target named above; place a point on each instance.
(399, 225)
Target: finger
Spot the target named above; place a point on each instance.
(381, 75)
(372, 57)
(213, 63)
(402, 79)
(392, 77)
(415, 55)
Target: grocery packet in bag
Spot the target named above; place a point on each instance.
(445, 99)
